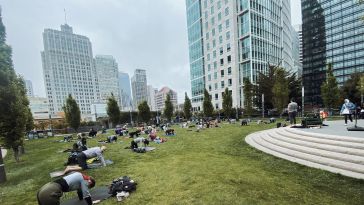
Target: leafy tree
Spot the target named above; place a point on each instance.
(227, 103)
(329, 89)
(280, 90)
(360, 87)
(295, 87)
(350, 88)
(113, 110)
(30, 121)
(168, 107)
(208, 108)
(72, 113)
(248, 95)
(187, 107)
(265, 83)
(13, 102)
(144, 112)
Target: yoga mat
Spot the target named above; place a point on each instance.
(56, 174)
(98, 193)
(147, 149)
(98, 164)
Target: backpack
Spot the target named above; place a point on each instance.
(122, 184)
(140, 150)
(72, 159)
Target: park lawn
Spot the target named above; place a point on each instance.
(214, 166)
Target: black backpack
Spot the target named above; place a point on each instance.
(122, 184)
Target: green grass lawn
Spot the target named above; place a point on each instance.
(214, 166)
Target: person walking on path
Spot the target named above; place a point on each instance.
(51, 192)
(292, 111)
(346, 110)
(90, 153)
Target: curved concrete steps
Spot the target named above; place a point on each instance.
(343, 155)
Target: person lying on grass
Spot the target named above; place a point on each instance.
(51, 192)
(91, 153)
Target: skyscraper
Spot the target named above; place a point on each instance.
(297, 52)
(151, 97)
(233, 40)
(332, 33)
(125, 91)
(107, 76)
(139, 87)
(29, 88)
(68, 68)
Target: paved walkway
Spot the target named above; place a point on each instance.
(338, 128)
(3, 152)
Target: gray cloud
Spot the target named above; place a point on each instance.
(148, 34)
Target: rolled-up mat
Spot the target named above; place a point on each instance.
(97, 193)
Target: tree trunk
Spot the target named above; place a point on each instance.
(21, 150)
(16, 153)
(2, 169)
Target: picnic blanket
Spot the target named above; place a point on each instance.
(93, 165)
(97, 193)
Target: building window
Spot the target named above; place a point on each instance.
(212, 10)
(228, 48)
(219, 16)
(229, 70)
(226, 11)
(208, 56)
(213, 32)
(222, 73)
(207, 36)
(229, 59)
(215, 86)
(214, 43)
(209, 77)
(210, 88)
(227, 23)
(228, 35)
(219, 5)
(216, 96)
(230, 82)
(213, 21)
(215, 65)
(220, 39)
(220, 28)
(221, 61)
(222, 84)
(208, 67)
(216, 106)
(215, 75)
(221, 50)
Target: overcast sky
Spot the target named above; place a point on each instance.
(145, 34)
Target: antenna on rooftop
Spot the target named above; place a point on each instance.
(65, 16)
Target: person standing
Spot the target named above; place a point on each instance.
(346, 110)
(51, 192)
(90, 153)
(292, 111)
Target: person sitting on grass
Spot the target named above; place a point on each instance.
(51, 192)
(92, 133)
(153, 134)
(82, 146)
(134, 143)
(111, 139)
(91, 153)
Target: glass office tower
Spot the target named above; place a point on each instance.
(332, 33)
(230, 40)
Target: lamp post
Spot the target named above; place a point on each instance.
(50, 119)
(263, 105)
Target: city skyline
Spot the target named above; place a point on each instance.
(163, 54)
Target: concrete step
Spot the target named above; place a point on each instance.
(307, 156)
(326, 136)
(322, 144)
(275, 139)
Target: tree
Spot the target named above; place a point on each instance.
(295, 87)
(187, 107)
(168, 107)
(280, 90)
(360, 87)
(113, 110)
(350, 89)
(72, 113)
(329, 89)
(265, 83)
(144, 112)
(227, 103)
(208, 108)
(248, 96)
(13, 102)
(30, 121)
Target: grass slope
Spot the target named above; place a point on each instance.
(214, 166)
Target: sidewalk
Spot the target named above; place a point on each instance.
(3, 152)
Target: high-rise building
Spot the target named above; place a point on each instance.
(233, 40)
(332, 33)
(125, 91)
(68, 68)
(151, 97)
(161, 96)
(29, 88)
(296, 52)
(108, 77)
(298, 29)
(139, 87)
(39, 107)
